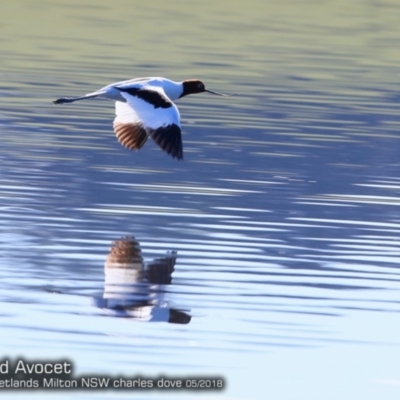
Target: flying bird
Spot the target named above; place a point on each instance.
(144, 107)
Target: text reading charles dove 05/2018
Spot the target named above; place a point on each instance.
(21, 374)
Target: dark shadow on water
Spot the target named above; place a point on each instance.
(136, 289)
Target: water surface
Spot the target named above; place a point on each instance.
(284, 213)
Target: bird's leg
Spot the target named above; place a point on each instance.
(63, 100)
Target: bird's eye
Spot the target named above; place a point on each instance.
(200, 86)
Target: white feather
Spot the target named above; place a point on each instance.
(171, 89)
(136, 110)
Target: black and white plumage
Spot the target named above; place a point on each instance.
(144, 107)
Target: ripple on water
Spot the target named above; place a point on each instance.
(284, 214)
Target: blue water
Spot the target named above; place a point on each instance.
(284, 213)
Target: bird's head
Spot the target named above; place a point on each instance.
(192, 86)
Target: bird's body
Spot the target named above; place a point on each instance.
(144, 107)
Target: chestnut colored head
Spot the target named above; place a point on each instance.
(192, 86)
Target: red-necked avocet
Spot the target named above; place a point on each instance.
(144, 107)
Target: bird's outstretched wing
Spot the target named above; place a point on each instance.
(148, 112)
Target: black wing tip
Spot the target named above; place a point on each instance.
(176, 153)
(169, 139)
(179, 156)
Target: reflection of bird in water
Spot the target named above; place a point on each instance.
(133, 289)
(144, 107)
